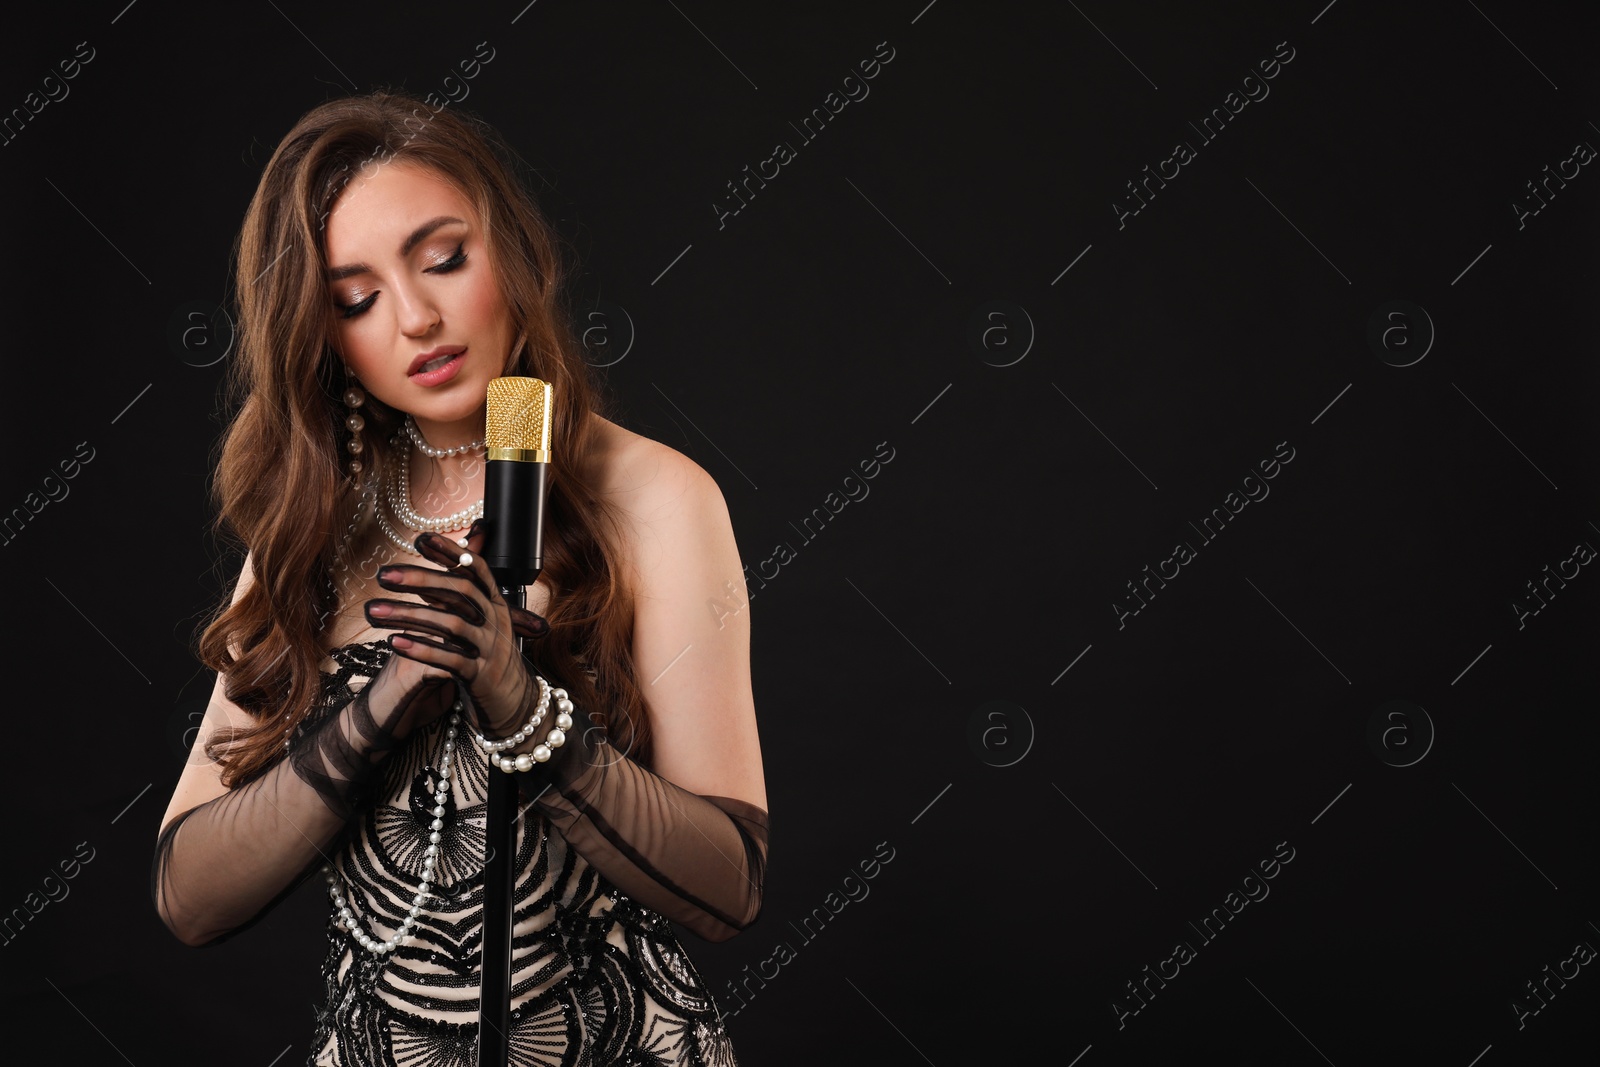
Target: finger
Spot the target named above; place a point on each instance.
(448, 595)
(457, 560)
(452, 589)
(528, 624)
(405, 615)
(524, 622)
(433, 652)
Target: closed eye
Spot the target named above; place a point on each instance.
(454, 263)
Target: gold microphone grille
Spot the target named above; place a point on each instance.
(518, 417)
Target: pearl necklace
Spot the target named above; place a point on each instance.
(389, 531)
(399, 498)
(437, 453)
(441, 794)
(400, 501)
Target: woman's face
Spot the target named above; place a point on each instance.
(410, 282)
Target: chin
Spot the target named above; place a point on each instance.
(464, 404)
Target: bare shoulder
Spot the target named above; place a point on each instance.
(667, 501)
(644, 477)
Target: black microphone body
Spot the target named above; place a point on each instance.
(513, 510)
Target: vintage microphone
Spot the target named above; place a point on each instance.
(517, 435)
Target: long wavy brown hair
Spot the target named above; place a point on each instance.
(282, 489)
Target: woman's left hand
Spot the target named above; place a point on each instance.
(465, 627)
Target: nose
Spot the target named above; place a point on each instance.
(417, 314)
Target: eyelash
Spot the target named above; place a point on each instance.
(454, 263)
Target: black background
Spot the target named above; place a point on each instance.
(1148, 368)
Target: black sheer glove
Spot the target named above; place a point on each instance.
(465, 627)
(698, 860)
(222, 865)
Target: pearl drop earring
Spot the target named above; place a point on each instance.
(354, 397)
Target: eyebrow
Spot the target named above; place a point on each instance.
(351, 270)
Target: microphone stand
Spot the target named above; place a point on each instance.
(499, 888)
(517, 432)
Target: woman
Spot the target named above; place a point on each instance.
(390, 266)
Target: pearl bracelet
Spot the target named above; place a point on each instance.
(525, 731)
(552, 740)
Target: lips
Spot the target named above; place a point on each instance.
(434, 359)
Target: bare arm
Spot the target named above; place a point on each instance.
(687, 836)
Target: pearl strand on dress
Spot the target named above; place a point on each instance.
(441, 794)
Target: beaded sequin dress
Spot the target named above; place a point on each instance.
(597, 976)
